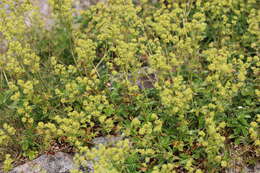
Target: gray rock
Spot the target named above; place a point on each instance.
(58, 163)
(110, 140)
(62, 162)
(144, 78)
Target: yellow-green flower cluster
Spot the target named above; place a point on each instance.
(86, 50)
(61, 85)
(149, 128)
(7, 165)
(62, 9)
(165, 168)
(19, 57)
(6, 135)
(105, 158)
(254, 131)
(49, 130)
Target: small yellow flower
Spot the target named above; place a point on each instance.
(218, 158)
(30, 121)
(7, 165)
(154, 116)
(24, 120)
(135, 122)
(198, 171)
(253, 124)
(224, 164)
(201, 133)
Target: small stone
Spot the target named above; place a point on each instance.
(58, 163)
(62, 162)
(106, 140)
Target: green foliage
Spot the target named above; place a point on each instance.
(178, 79)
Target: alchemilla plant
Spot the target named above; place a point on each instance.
(196, 102)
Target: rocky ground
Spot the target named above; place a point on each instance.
(62, 162)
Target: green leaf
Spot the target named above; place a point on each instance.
(25, 146)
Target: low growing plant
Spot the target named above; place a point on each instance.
(61, 84)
